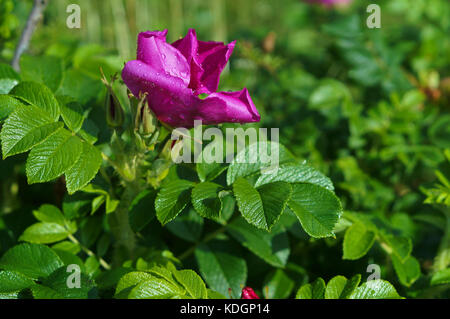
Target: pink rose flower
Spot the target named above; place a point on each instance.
(173, 75)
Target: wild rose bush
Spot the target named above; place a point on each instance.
(358, 207)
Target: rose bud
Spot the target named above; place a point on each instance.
(114, 111)
(147, 120)
(248, 293)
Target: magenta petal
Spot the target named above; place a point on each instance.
(248, 293)
(174, 103)
(188, 46)
(168, 96)
(159, 34)
(233, 107)
(161, 56)
(207, 61)
(213, 57)
(173, 76)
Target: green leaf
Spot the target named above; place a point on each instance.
(328, 95)
(7, 105)
(317, 208)
(80, 86)
(357, 241)
(209, 171)
(408, 271)
(439, 132)
(70, 259)
(111, 204)
(71, 112)
(206, 201)
(296, 173)
(263, 206)
(401, 246)
(8, 78)
(272, 247)
(11, 281)
(188, 226)
(67, 246)
(315, 290)
(375, 289)
(142, 210)
(335, 287)
(92, 266)
(278, 285)
(50, 214)
(44, 292)
(89, 131)
(350, 286)
(109, 279)
(131, 280)
(84, 169)
(39, 95)
(192, 282)
(53, 157)
(441, 277)
(142, 285)
(59, 279)
(47, 70)
(340, 287)
(44, 233)
(32, 260)
(215, 295)
(155, 288)
(172, 199)
(160, 271)
(26, 127)
(221, 268)
(248, 161)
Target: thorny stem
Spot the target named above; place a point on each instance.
(114, 165)
(119, 222)
(32, 21)
(90, 252)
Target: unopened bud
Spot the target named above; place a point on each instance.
(248, 293)
(148, 122)
(114, 111)
(145, 120)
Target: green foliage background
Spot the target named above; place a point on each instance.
(369, 108)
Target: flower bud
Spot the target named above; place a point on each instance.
(148, 122)
(114, 111)
(248, 293)
(145, 121)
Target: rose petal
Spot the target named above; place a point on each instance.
(174, 104)
(168, 96)
(161, 56)
(207, 61)
(232, 107)
(213, 57)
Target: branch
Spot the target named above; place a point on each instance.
(90, 253)
(33, 19)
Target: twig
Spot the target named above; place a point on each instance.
(90, 252)
(33, 19)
